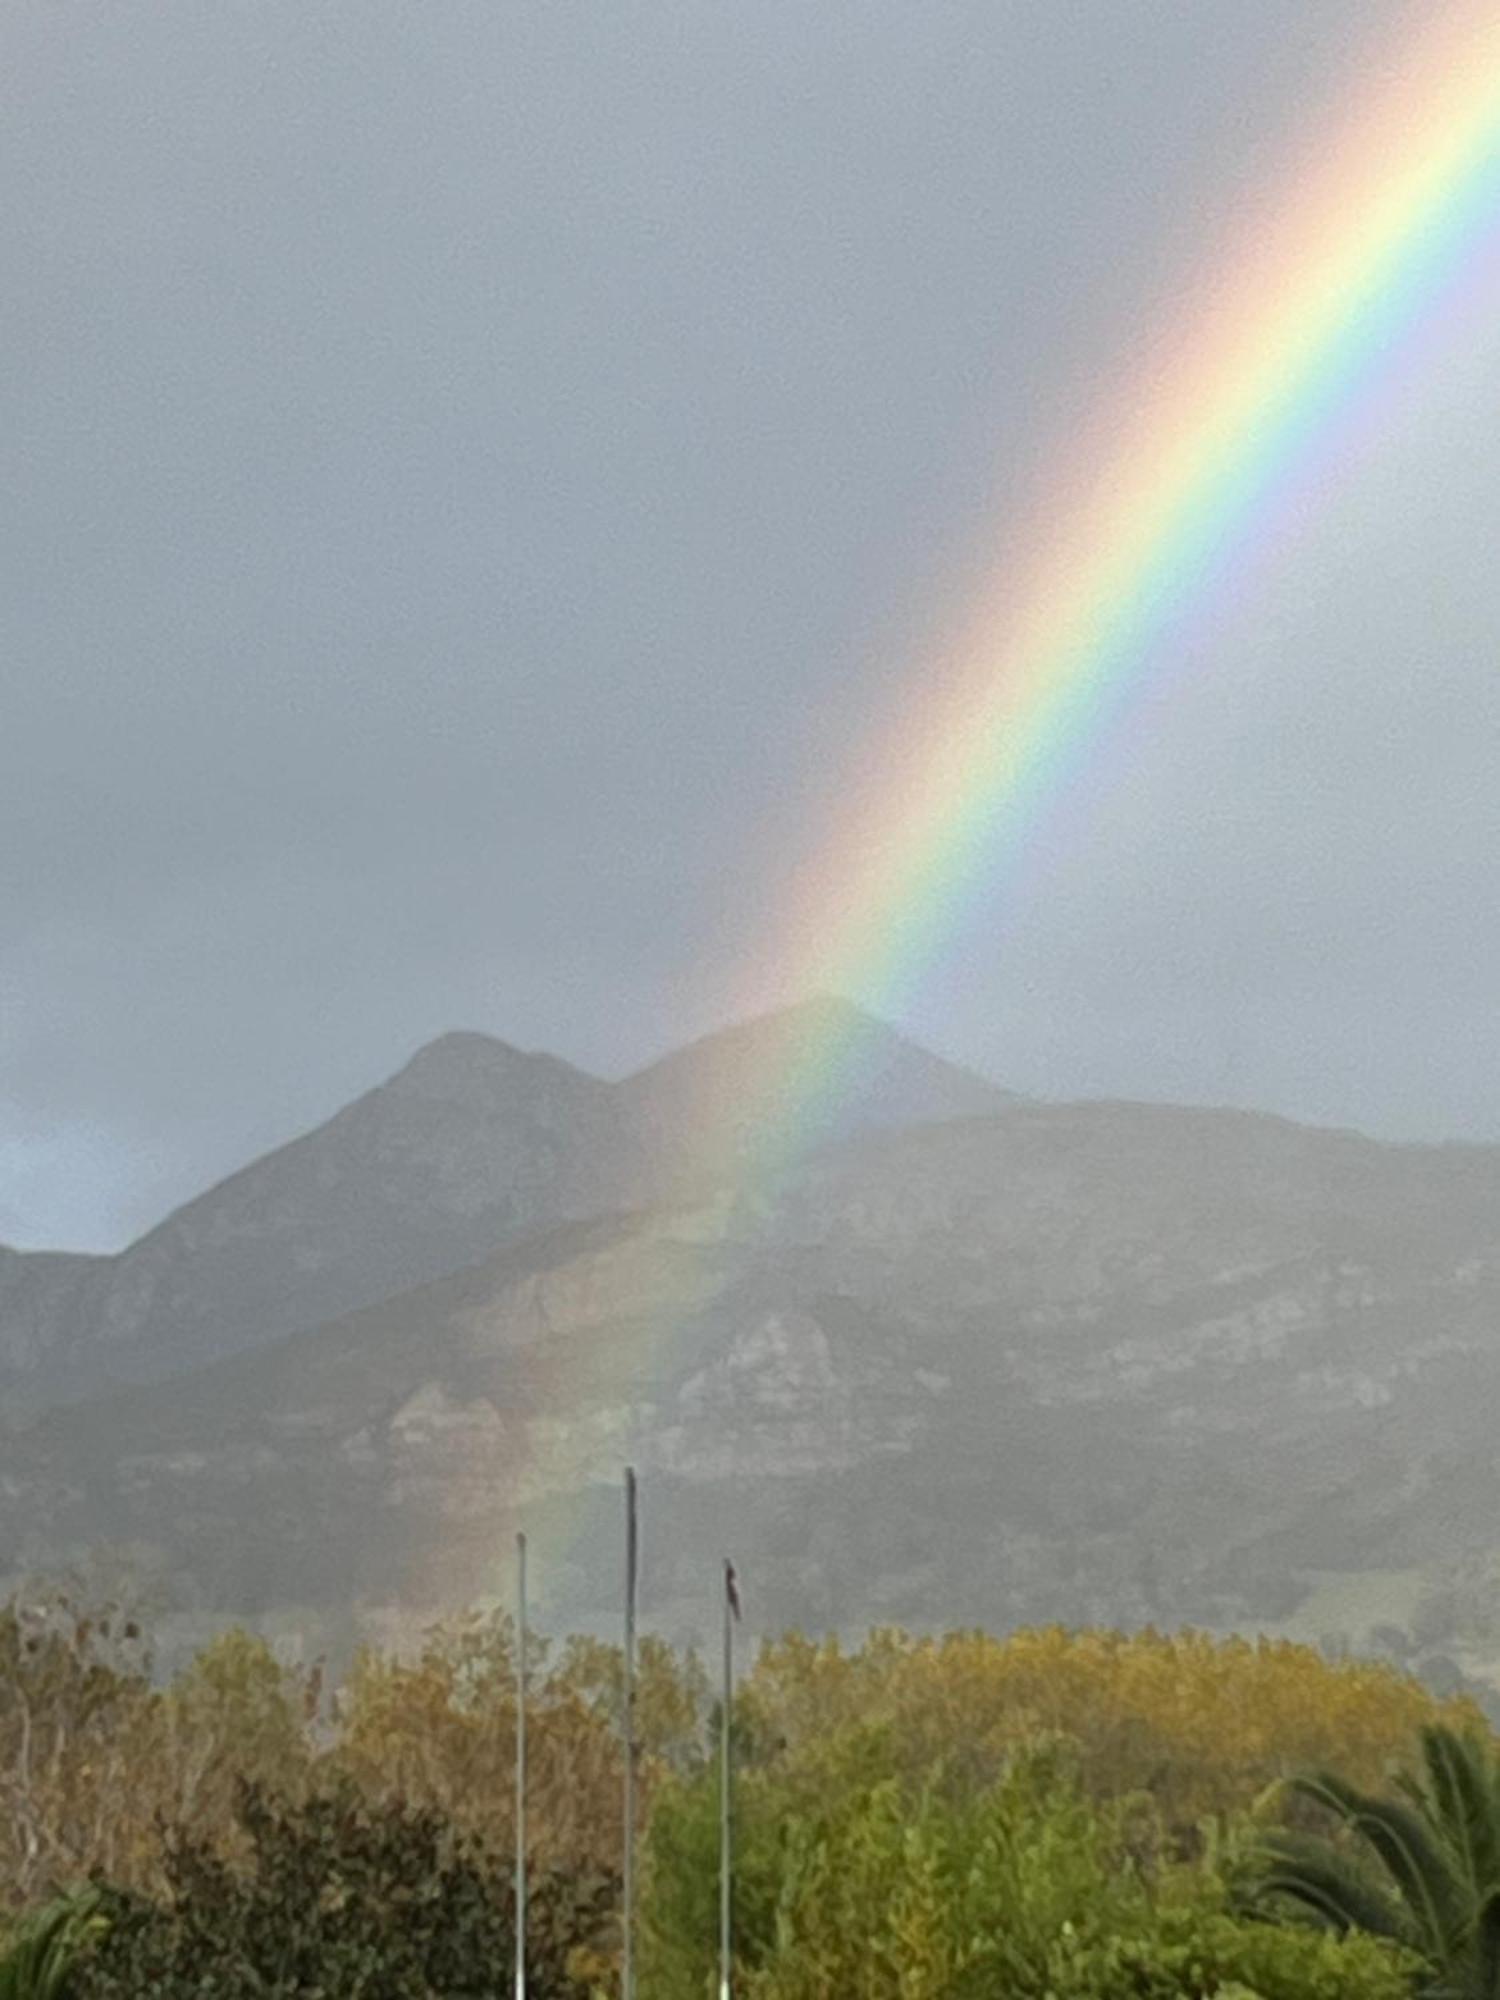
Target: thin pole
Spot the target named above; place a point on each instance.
(627, 1871)
(726, 1818)
(520, 1767)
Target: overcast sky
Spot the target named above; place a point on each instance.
(472, 473)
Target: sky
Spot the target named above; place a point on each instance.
(475, 474)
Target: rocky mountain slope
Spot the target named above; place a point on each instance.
(473, 1145)
(1082, 1362)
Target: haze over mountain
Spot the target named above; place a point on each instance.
(970, 1358)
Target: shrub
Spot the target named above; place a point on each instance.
(339, 1897)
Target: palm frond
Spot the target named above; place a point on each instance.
(1421, 1870)
(1328, 1885)
(39, 1961)
(1464, 1810)
(1487, 1949)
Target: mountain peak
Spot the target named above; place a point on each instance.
(741, 1079)
(464, 1059)
(823, 1010)
(462, 1045)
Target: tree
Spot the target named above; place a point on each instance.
(93, 1755)
(439, 1730)
(75, 1716)
(233, 1713)
(1421, 1868)
(862, 1884)
(1203, 1724)
(369, 1902)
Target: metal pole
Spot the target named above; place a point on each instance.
(627, 1872)
(726, 1821)
(520, 1767)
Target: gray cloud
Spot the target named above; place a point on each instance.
(472, 475)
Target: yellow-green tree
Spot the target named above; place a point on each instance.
(1202, 1724)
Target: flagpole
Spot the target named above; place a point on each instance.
(627, 1871)
(520, 1993)
(726, 1823)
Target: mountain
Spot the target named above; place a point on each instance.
(472, 1146)
(1088, 1362)
(49, 1303)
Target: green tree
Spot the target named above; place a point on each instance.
(857, 1882)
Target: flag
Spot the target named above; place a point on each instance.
(732, 1587)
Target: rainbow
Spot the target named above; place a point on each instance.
(1196, 465)
(1378, 230)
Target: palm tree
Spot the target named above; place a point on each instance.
(1429, 1877)
(38, 1960)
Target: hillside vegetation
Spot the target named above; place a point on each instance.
(1054, 1812)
